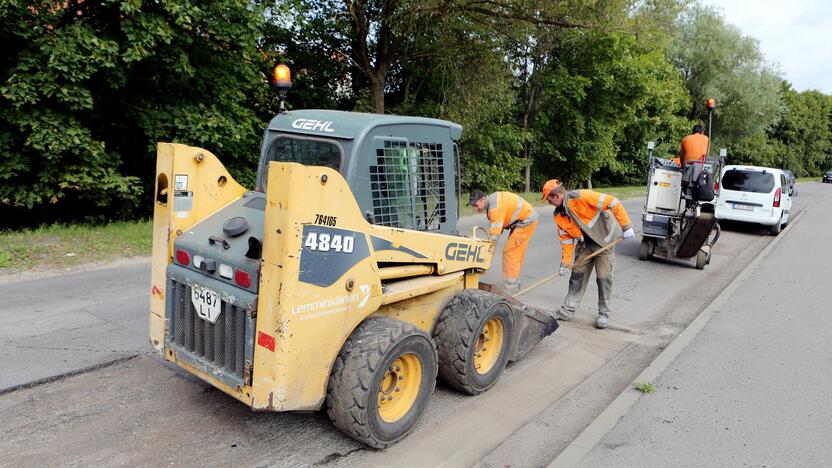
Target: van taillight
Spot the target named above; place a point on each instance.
(777, 197)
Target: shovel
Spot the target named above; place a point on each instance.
(581, 261)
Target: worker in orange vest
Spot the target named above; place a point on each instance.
(583, 219)
(694, 147)
(692, 154)
(506, 210)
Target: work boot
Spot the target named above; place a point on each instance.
(601, 321)
(562, 316)
(511, 287)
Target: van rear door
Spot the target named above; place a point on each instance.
(749, 190)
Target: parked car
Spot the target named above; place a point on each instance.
(827, 177)
(753, 194)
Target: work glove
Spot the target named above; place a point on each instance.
(563, 271)
(629, 234)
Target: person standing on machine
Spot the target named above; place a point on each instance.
(583, 218)
(692, 154)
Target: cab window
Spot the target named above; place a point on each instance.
(309, 152)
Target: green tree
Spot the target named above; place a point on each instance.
(88, 88)
(718, 62)
(607, 95)
(804, 133)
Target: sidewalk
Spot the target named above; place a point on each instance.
(754, 387)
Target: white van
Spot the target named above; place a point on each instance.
(754, 194)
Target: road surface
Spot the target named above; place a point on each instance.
(753, 387)
(141, 411)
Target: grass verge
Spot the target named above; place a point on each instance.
(622, 192)
(809, 179)
(62, 246)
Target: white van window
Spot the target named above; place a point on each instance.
(748, 181)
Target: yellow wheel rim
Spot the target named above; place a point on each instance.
(489, 344)
(399, 387)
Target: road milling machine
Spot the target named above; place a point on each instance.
(678, 221)
(340, 282)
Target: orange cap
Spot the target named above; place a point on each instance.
(548, 187)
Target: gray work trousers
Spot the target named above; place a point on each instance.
(603, 264)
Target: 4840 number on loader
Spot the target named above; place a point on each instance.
(340, 282)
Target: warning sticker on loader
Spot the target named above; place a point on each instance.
(180, 183)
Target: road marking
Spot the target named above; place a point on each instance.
(612, 414)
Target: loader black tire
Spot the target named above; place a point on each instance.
(460, 330)
(362, 371)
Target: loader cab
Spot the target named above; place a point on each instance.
(403, 171)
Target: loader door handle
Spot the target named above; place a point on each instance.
(213, 239)
(474, 233)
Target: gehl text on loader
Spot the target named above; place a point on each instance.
(340, 281)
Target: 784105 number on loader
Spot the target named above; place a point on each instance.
(339, 282)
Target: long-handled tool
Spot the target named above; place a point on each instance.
(581, 261)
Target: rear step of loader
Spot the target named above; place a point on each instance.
(532, 324)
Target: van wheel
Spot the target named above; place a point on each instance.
(645, 250)
(382, 381)
(701, 259)
(473, 336)
(775, 229)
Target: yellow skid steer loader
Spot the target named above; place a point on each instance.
(339, 282)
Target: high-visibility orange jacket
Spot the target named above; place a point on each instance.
(693, 148)
(585, 212)
(506, 210)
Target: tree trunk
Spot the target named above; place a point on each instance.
(527, 155)
(589, 182)
(534, 94)
(377, 95)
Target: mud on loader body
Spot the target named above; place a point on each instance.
(339, 282)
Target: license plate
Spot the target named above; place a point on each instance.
(206, 302)
(738, 206)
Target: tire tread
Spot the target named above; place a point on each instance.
(352, 375)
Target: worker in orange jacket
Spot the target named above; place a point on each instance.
(584, 221)
(506, 210)
(692, 154)
(694, 147)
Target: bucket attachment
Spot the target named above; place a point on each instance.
(531, 324)
(696, 233)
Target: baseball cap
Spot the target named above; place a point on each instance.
(548, 187)
(475, 195)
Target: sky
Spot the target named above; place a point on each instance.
(797, 34)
